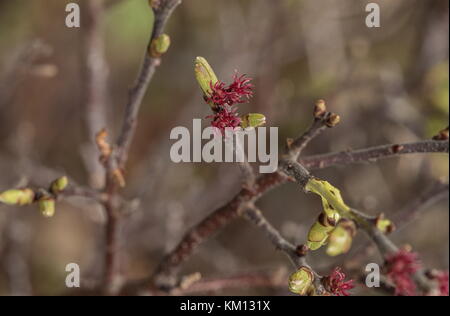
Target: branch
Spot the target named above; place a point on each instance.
(411, 211)
(162, 12)
(322, 120)
(95, 86)
(373, 154)
(165, 274)
(116, 160)
(240, 281)
(254, 215)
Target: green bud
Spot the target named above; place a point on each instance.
(300, 282)
(205, 75)
(340, 242)
(332, 201)
(59, 185)
(160, 46)
(252, 120)
(384, 225)
(47, 206)
(318, 235)
(17, 197)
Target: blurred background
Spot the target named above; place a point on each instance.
(389, 84)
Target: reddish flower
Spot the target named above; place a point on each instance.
(239, 91)
(225, 117)
(442, 280)
(335, 284)
(400, 268)
(226, 98)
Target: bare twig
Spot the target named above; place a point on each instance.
(165, 273)
(322, 120)
(373, 154)
(276, 280)
(407, 214)
(254, 215)
(162, 10)
(96, 79)
(19, 66)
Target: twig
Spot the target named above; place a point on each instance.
(248, 174)
(407, 214)
(373, 154)
(320, 123)
(162, 13)
(166, 270)
(162, 10)
(241, 281)
(19, 66)
(95, 86)
(254, 215)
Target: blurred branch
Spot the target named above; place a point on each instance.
(24, 58)
(218, 219)
(276, 280)
(373, 154)
(109, 4)
(410, 212)
(95, 86)
(162, 11)
(254, 215)
(117, 159)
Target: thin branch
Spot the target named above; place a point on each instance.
(320, 123)
(410, 212)
(373, 154)
(95, 86)
(275, 280)
(254, 215)
(165, 274)
(161, 14)
(116, 161)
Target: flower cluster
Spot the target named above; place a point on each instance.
(335, 283)
(239, 91)
(225, 117)
(400, 268)
(225, 98)
(441, 278)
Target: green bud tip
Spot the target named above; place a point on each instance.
(252, 120)
(300, 282)
(340, 242)
(59, 185)
(160, 46)
(17, 197)
(384, 225)
(47, 206)
(205, 75)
